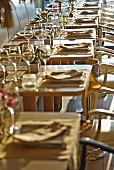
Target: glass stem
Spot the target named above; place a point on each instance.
(38, 66)
(28, 64)
(16, 77)
(4, 73)
(12, 128)
(28, 42)
(45, 67)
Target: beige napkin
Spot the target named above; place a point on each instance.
(75, 34)
(75, 46)
(86, 20)
(73, 49)
(40, 134)
(79, 32)
(89, 12)
(91, 4)
(64, 75)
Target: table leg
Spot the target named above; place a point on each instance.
(57, 103)
(48, 103)
(29, 103)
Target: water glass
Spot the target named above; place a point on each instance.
(29, 82)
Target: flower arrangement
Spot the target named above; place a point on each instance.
(5, 100)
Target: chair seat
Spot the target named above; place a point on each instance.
(106, 133)
(94, 85)
(109, 82)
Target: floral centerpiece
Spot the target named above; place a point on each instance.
(6, 112)
(5, 100)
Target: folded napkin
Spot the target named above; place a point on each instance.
(91, 4)
(65, 50)
(74, 46)
(87, 33)
(86, 20)
(64, 75)
(80, 32)
(89, 12)
(78, 48)
(41, 134)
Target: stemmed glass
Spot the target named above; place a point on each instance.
(65, 18)
(15, 56)
(28, 54)
(49, 33)
(45, 55)
(28, 33)
(3, 62)
(12, 92)
(38, 34)
(52, 2)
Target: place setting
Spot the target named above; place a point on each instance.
(67, 78)
(88, 13)
(41, 132)
(56, 135)
(84, 20)
(89, 5)
(84, 33)
(65, 49)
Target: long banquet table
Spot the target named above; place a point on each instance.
(59, 90)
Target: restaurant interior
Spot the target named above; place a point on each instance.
(56, 85)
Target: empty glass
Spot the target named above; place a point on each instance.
(15, 56)
(28, 54)
(28, 33)
(29, 81)
(45, 55)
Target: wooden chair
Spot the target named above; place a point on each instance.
(105, 43)
(94, 84)
(104, 49)
(101, 130)
(106, 18)
(106, 75)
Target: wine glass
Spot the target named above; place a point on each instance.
(15, 57)
(14, 103)
(28, 33)
(49, 33)
(3, 62)
(52, 2)
(28, 54)
(65, 18)
(45, 55)
(37, 33)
